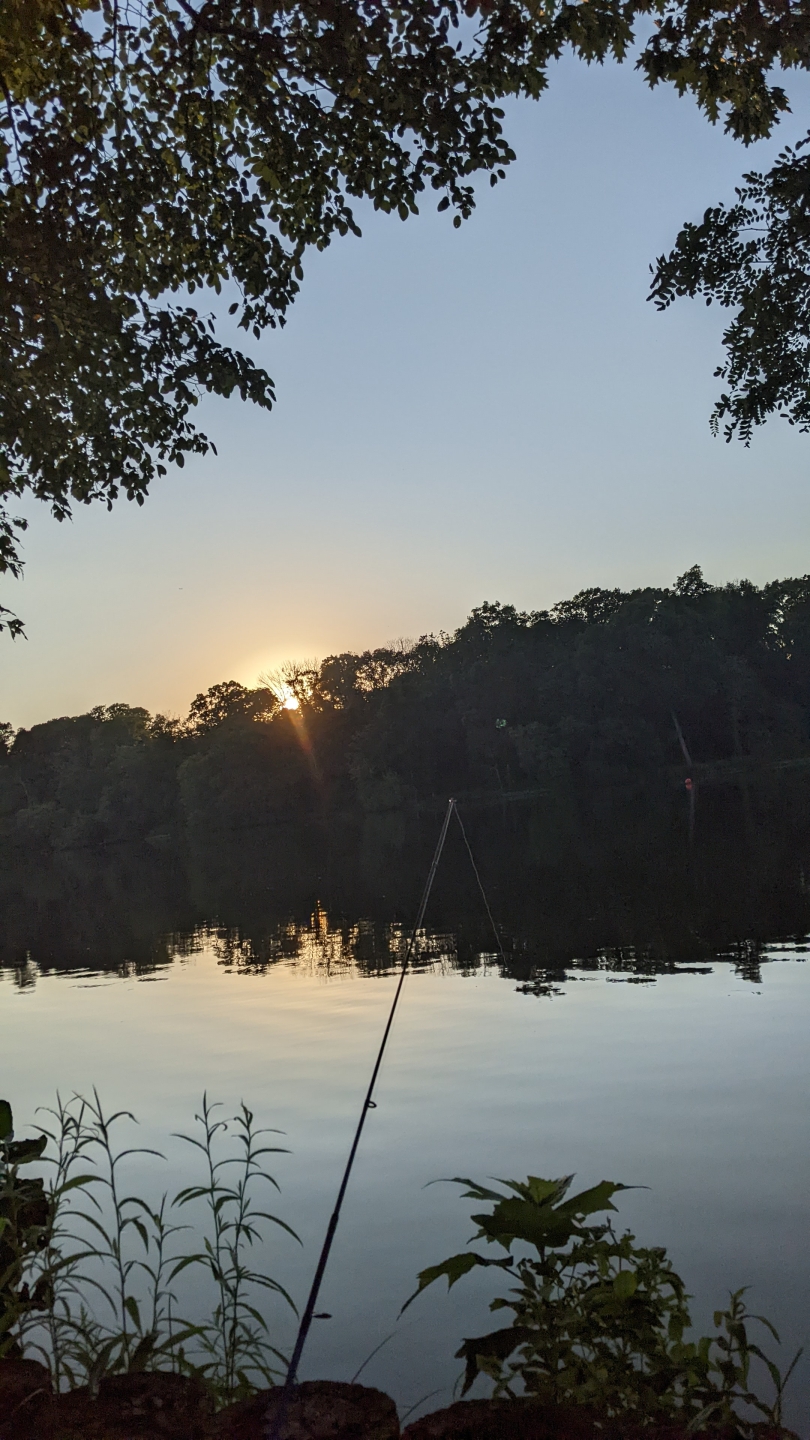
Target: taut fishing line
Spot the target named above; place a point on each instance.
(275, 1421)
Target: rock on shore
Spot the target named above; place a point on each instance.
(162, 1406)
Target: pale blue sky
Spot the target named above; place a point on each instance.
(490, 413)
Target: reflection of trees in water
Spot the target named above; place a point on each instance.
(747, 957)
(302, 837)
(626, 964)
(600, 881)
(326, 949)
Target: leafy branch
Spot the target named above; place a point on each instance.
(601, 1322)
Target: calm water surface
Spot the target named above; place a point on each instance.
(694, 1084)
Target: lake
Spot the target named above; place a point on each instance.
(693, 1082)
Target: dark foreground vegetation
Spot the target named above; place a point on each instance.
(95, 1339)
(567, 737)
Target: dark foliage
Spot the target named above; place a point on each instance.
(601, 1322)
(151, 150)
(753, 257)
(603, 689)
(567, 737)
(25, 1216)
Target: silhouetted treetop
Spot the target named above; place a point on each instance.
(229, 701)
(561, 702)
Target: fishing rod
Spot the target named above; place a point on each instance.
(275, 1421)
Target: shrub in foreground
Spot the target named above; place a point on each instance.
(601, 1322)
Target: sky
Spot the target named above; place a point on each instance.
(490, 413)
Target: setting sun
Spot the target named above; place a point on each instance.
(289, 701)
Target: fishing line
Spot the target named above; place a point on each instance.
(276, 1422)
(480, 883)
(274, 1427)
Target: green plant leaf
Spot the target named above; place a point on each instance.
(540, 1192)
(538, 1225)
(499, 1345)
(184, 1262)
(454, 1268)
(142, 1353)
(19, 1152)
(101, 1363)
(590, 1202)
(6, 1121)
(625, 1284)
(76, 1182)
(274, 1219)
(474, 1191)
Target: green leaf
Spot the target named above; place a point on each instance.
(625, 1284)
(274, 1219)
(474, 1191)
(589, 1202)
(6, 1121)
(142, 1231)
(19, 1152)
(183, 1264)
(538, 1225)
(142, 1352)
(497, 1346)
(540, 1192)
(454, 1268)
(76, 1183)
(101, 1362)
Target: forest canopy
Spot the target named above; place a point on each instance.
(611, 688)
(154, 150)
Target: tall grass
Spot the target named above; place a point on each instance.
(109, 1269)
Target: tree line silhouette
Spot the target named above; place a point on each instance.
(590, 693)
(567, 736)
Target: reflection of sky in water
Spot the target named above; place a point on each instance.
(696, 1086)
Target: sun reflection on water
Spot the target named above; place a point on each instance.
(326, 949)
